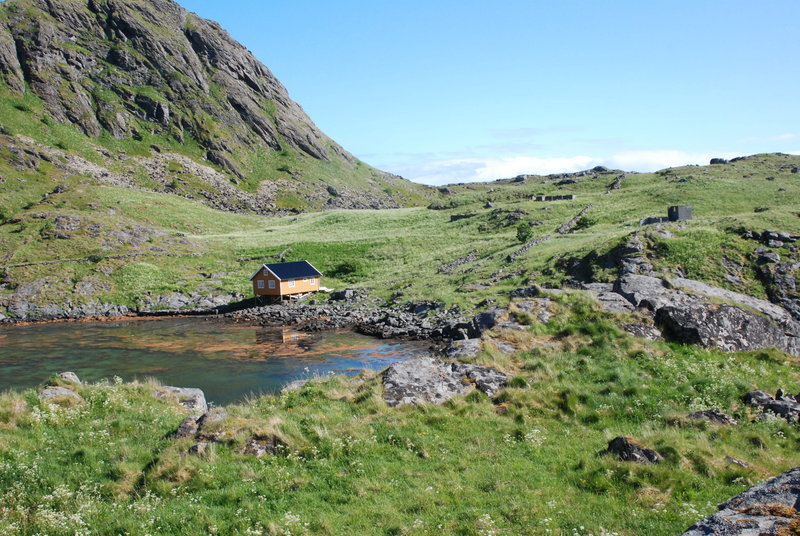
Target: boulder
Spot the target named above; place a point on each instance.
(768, 509)
(463, 349)
(211, 417)
(486, 379)
(538, 308)
(53, 393)
(488, 319)
(187, 428)
(420, 380)
(757, 398)
(683, 312)
(70, 377)
(703, 290)
(261, 446)
(767, 257)
(427, 380)
(629, 449)
(714, 416)
(728, 328)
(614, 303)
(649, 292)
(191, 398)
(643, 331)
(782, 287)
(348, 294)
(784, 405)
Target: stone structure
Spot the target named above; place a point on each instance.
(674, 213)
(542, 197)
(679, 213)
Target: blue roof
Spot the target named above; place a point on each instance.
(291, 270)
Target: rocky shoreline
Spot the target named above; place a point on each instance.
(415, 321)
(677, 309)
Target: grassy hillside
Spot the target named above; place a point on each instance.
(525, 462)
(272, 181)
(528, 462)
(186, 246)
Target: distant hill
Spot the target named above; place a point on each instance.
(124, 84)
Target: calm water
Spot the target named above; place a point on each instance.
(228, 361)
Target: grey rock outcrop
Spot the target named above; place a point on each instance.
(781, 282)
(629, 449)
(463, 349)
(614, 303)
(713, 415)
(187, 428)
(427, 380)
(191, 398)
(29, 303)
(728, 328)
(685, 311)
(186, 303)
(643, 331)
(54, 393)
(70, 377)
(486, 379)
(649, 292)
(783, 404)
(768, 509)
(261, 446)
(774, 312)
(143, 56)
(537, 308)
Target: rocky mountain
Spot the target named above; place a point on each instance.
(145, 77)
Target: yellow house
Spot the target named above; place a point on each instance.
(286, 279)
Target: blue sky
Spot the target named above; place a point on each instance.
(448, 91)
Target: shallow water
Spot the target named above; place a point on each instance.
(228, 361)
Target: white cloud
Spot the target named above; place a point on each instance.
(646, 161)
(447, 171)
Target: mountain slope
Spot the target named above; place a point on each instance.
(129, 75)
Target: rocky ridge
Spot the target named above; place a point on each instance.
(152, 70)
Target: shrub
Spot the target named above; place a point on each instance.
(524, 231)
(585, 222)
(350, 270)
(518, 382)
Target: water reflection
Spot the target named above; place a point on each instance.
(226, 360)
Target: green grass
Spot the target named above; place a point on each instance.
(400, 250)
(524, 463)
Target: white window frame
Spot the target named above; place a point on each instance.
(260, 283)
(291, 283)
(313, 280)
(271, 283)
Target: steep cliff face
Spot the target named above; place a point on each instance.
(149, 69)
